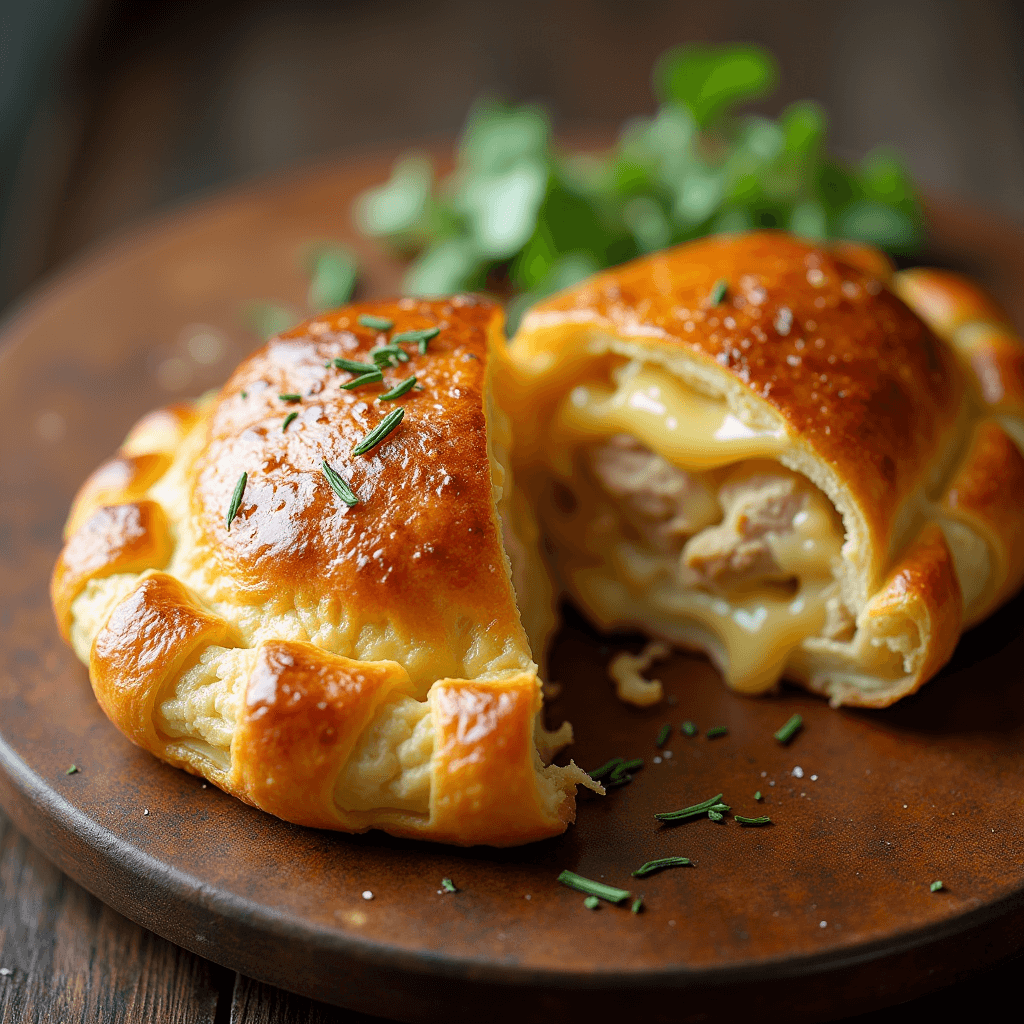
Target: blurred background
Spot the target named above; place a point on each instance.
(111, 110)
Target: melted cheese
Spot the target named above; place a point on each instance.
(688, 429)
(750, 636)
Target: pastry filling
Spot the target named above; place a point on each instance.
(665, 510)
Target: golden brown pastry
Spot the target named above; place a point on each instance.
(339, 646)
(751, 445)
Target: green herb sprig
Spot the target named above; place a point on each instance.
(288, 419)
(717, 730)
(236, 498)
(591, 903)
(718, 292)
(448, 885)
(518, 208)
(693, 811)
(936, 886)
(790, 729)
(398, 390)
(688, 729)
(354, 367)
(663, 734)
(340, 485)
(290, 396)
(373, 377)
(421, 338)
(762, 820)
(659, 865)
(592, 888)
(375, 323)
(379, 432)
(638, 905)
(73, 770)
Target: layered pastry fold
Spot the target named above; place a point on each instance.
(758, 447)
(299, 590)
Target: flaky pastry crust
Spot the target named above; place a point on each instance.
(899, 396)
(341, 666)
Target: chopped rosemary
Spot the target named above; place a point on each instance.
(599, 773)
(757, 795)
(340, 485)
(398, 390)
(620, 774)
(720, 808)
(74, 770)
(657, 865)
(718, 292)
(763, 820)
(790, 729)
(421, 337)
(448, 885)
(389, 355)
(287, 420)
(379, 432)
(373, 377)
(715, 731)
(354, 367)
(936, 886)
(375, 323)
(592, 888)
(638, 905)
(591, 903)
(245, 394)
(714, 815)
(663, 734)
(688, 729)
(290, 397)
(694, 811)
(236, 498)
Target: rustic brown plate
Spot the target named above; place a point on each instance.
(825, 913)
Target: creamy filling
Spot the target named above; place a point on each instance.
(667, 511)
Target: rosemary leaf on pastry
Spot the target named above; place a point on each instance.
(790, 729)
(762, 820)
(236, 498)
(688, 729)
(353, 367)
(657, 865)
(663, 735)
(620, 774)
(74, 770)
(718, 292)
(638, 905)
(758, 796)
(592, 888)
(290, 396)
(936, 886)
(448, 885)
(375, 323)
(591, 903)
(715, 731)
(389, 355)
(419, 337)
(379, 432)
(398, 390)
(373, 377)
(694, 811)
(287, 420)
(340, 485)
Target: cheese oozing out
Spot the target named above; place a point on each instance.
(667, 511)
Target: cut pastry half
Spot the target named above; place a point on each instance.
(752, 446)
(298, 588)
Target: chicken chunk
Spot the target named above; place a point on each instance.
(663, 503)
(757, 504)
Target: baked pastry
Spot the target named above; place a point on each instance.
(322, 625)
(754, 446)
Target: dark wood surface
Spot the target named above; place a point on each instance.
(112, 339)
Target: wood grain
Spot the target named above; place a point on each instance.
(73, 959)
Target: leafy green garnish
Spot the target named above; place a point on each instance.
(519, 212)
(333, 273)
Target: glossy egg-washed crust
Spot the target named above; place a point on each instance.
(409, 589)
(900, 393)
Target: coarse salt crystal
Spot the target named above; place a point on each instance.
(5, 972)
(657, 760)
(798, 772)
(367, 895)
(823, 924)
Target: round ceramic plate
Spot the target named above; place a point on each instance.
(825, 912)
